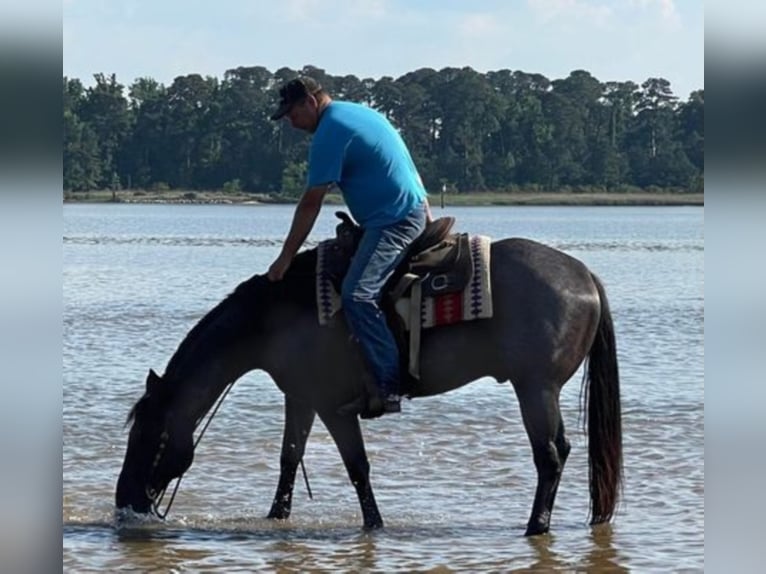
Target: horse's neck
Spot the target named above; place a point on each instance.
(196, 391)
(213, 355)
(238, 335)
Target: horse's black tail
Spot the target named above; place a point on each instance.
(602, 395)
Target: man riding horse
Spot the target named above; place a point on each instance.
(356, 149)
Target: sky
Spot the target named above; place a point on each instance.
(614, 40)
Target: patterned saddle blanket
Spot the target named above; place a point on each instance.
(474, 301)
(444, 280)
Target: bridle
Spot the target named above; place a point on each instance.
(156, 497)
(153, 495)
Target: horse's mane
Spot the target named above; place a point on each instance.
(240, 310)
(248, 300)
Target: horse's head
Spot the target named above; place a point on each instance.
(160, 448)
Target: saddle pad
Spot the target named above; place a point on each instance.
(474, 302)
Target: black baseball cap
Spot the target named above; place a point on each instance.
(293, 92)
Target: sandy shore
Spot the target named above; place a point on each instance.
(465, 199)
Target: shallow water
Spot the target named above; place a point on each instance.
(453, 475)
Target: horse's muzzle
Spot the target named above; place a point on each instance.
(131, 494)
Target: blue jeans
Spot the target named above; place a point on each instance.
(380, 251)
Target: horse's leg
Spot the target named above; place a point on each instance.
(299, 418)
(347, 435)
(550, 447)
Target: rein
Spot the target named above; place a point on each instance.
(157, 498)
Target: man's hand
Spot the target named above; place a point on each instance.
(304, 217)
(279, 267)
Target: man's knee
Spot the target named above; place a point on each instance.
(357, 297)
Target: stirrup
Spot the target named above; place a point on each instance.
(392, 404)
(365, 409)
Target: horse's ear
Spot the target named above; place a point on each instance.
(152, 380)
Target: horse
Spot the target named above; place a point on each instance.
(550, 315)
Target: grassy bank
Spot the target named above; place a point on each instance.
(449, 199)
(550, 198)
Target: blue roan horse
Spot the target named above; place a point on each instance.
(550, 314)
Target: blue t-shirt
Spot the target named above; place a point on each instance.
(358, 149)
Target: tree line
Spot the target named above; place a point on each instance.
(468, 131)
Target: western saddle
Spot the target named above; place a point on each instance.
(437, 262)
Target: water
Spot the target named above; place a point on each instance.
(453, 474)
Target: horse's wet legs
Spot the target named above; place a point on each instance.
(347, 435)
(550, 448)
(298, 421)
(562, 447)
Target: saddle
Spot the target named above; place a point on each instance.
(441, 262)
(438, 262)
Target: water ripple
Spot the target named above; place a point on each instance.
(201, 241)
(454, 475)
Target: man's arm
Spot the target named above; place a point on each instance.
(305, 215)
(429, 216)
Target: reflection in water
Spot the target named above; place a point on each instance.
(355, 554)
(235, 546)
(210, 241)
(603, 556)
(259, 545)
(363, 551)
(546, 559)
(141, 549)
(157, 555)
(599, 556)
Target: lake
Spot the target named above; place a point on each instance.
(453, 474)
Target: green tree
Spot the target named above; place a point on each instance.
(609, 162)
(294, 178)
(105, 111)
(352, 89)
(655, 105)
(81, 162)
(470, 110)
(657, 157)
(190, 103)
(147, 101)
(420, 121)
(572, 108)
(691, 126)
(527, 129)
(498, 130)
(251, 150)
(387, 98)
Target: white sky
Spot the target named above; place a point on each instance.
(614, 40)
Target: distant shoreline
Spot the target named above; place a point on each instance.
(475, 199)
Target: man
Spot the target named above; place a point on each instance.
(358, 150)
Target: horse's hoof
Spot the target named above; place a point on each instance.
(536, 529)
(278, 514)
(372, 527)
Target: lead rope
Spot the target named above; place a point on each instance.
(306, 480)
(156, 504)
